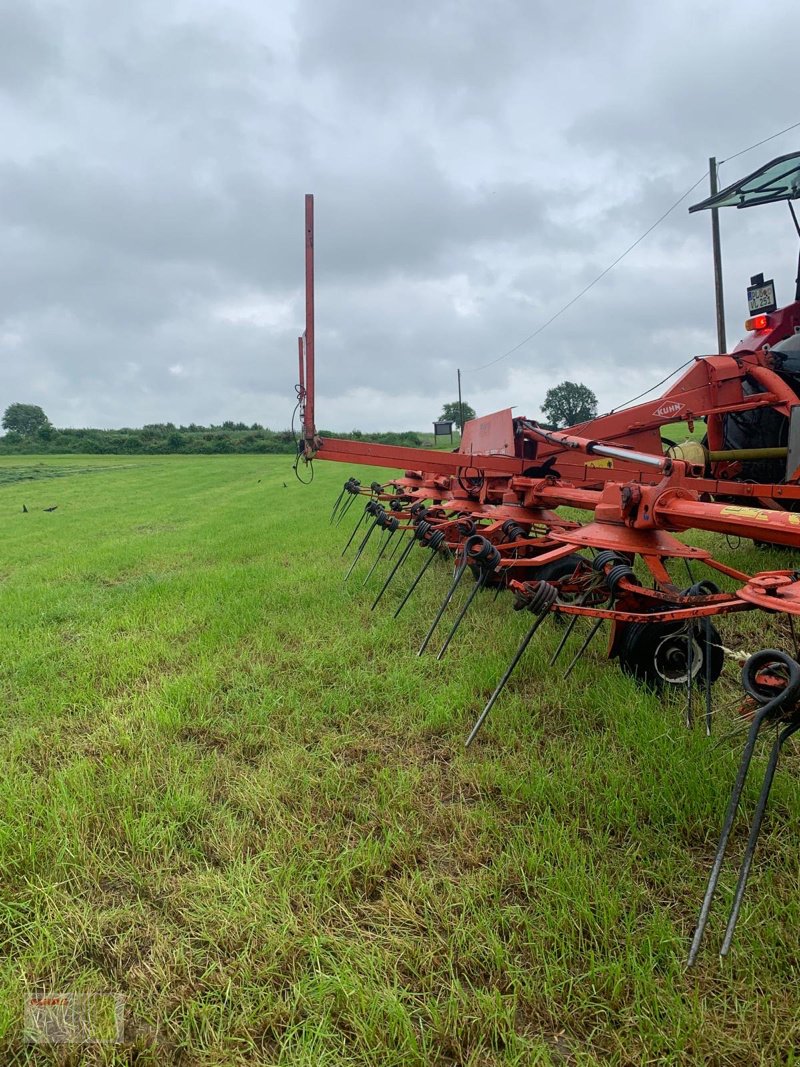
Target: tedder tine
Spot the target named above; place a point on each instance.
(486, 558)
(755, 829)
(335, 507)
(787, 695)
(540, 603)
(478, 586)
(483, 555)
(434, 543)
(448, 597)
(393, 571)
(364, 514)
(570, 627)
(730, 814)
(391, 525)
(343, 511)
(563, 641)
(689, 664)
(363, 544)
(350, 486)
(393, 553)
(584, 646)
(707, 666)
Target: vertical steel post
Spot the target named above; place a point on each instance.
(722, 344)
(309, 428)
(460, 409)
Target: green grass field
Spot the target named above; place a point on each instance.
(236, 797)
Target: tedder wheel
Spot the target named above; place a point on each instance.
(562, 568)
(657, 654)
(554, 572)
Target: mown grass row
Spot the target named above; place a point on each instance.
(235, 796)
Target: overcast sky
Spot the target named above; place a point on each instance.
(474, 165)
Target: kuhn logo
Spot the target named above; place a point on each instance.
(669, 409)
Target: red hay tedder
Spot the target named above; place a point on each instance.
(494, 506)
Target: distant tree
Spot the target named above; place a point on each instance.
(24, 418)
(452, 413)
(569, 403)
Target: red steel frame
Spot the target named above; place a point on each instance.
(510, 475)
(512, 468)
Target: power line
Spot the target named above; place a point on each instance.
(639, 396)
(594, 281)
(758, 144)
(630, 248)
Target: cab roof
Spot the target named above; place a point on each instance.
(777, 180)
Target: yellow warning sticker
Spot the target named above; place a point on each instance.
(759, 514)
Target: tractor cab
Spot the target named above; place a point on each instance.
(773, 334)
(779, 179)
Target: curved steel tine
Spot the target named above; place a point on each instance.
(377, 560)
(572, 623)
(347, 507)
(393, 572)
(508, 672)
(361, 547)
(689, 720)
(707, 666)
(415, 583)
(730, 815)
(755, 829)
(584, 646)
(502, 583)
(449, 596)
(472, 594)
(338, 501)
(563, 641)
(364, 514)
(400, 540)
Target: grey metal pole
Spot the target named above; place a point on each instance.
(722, 344)
(460, 407)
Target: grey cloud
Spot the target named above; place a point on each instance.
(29, 52)
(474, 167)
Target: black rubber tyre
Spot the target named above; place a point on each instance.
(656, 654)
(562, 568)
(554, 572)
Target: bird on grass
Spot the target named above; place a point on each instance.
(53, 508)
(24, 509)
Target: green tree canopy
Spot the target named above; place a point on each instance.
(25, 419)
(452, 413)
(569, 403)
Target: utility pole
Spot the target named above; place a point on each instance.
(722, 344)
(460, 409)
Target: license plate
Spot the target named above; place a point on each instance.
(761, 297)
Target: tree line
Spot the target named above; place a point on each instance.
(28, 429)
